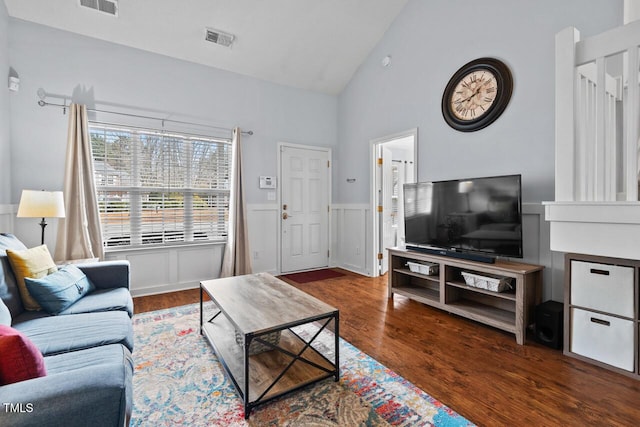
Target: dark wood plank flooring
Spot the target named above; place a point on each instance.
(478, 371)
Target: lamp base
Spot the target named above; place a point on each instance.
(43, 224)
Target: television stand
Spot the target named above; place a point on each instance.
(453, 254)
(511, 311)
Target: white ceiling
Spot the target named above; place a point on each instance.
(309, 44)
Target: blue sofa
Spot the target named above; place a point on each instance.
(86, 348)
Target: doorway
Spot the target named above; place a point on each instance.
(393, 164)
(304, 174)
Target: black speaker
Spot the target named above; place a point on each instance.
(549, 324)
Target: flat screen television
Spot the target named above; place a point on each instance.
(473, 218)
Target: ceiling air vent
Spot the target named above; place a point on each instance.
(106, 6)
(219, 37)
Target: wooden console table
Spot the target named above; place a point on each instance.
(510, 311)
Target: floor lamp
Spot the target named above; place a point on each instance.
(41, 204)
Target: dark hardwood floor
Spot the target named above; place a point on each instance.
(478, 371)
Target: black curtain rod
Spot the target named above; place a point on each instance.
(64, 107)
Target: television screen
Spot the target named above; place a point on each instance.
(475, 215)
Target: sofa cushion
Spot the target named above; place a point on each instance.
(117, 299)
(20, 359)
(89, 357)
(87, 387)
(5, 314)
(36, 263)
(59, 334)
(9, 292)
(59, 290)
(108, 274)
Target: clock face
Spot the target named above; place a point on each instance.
(474, 95)
(477, 94)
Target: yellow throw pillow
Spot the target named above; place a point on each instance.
(36, 263)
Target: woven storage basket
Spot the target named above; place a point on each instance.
(257, 347)
(429, 269)
(489, 283)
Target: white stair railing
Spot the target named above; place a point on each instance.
(597, 115)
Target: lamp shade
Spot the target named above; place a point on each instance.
(41, 204)
(465, 187)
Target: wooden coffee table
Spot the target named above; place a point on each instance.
(250, 328)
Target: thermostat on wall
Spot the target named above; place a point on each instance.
(267, 182)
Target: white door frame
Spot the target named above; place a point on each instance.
(375, 144)
(279, 193)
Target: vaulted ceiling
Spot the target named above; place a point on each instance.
(310, 44)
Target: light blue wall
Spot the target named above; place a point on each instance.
(5, 120)
(118, 77)
(428, 42)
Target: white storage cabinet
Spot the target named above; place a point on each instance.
(601, 311)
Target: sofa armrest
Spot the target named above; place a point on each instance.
(99, 396)
(108, 274)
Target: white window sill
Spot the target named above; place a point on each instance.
(176, 245)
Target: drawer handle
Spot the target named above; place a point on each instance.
(600, 321)
(597, 271)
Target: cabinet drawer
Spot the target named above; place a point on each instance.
(604, 338)
(603, 287)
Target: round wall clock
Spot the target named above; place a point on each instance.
(477, 94)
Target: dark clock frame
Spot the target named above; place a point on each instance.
(504, 83)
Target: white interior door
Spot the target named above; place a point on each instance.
(400, 152)
(304, 211)
(388, 232)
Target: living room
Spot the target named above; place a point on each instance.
(425, 44)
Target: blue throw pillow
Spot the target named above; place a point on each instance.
(59, 290)
(5, 314)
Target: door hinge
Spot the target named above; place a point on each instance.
(379, 208)
(380, 161)
(380, 256)
(328, 163)
(328, 256)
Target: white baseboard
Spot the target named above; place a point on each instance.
(163, 289)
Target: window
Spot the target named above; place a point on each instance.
(155, 187)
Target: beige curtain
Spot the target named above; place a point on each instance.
(237, 259)
(79, 234)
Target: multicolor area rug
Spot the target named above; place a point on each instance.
(313, 276)
(179, 381)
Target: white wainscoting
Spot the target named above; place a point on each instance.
(262, 221)
(537, 250)
(170, 268)
(175, 268)
(7, 217)
(351, 246)
(351, 238)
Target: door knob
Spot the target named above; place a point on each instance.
(284, 215)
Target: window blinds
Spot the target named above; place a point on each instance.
(155, 187)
